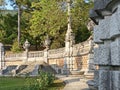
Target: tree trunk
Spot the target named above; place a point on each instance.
(19, 32)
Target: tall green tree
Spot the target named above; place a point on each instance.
(8, 26)
(21, 5)
(80, 18)
(51, 17)
(48, 18)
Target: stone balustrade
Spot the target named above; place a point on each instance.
(56, 53)
(81, 48)
(80, 57)
(14, 56)
(35, 54)
(78, 49)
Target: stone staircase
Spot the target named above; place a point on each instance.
(27, 70)
(8, 70)
(47, 68)
(33, 68)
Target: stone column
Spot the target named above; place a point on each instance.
(69, 42)
(90, 62)
(47, 43)
(46, 55)
(106, 15)
(2, 63)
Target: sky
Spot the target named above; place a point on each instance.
(8, 5)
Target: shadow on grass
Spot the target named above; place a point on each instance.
(57, 85)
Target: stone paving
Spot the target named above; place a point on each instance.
(74, 82)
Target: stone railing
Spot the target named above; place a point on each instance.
(15, 56)
(81, 48)
(35, 54)
(78, 49)
(56, 53)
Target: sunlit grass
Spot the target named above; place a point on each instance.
(21, 83)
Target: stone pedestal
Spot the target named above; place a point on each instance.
(46, 55)
(1, 56)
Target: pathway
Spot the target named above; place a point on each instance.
(74, 82)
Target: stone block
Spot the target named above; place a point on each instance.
(115, 80)
(97, 34)
(104, 25)
(104, 80)
(115, 24)
(96, 78)
(101, 4)
(115, 52)
(102, 32)
(101, 55)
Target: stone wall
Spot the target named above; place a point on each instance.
(106, 15)
(79, 62)
(54, 57)
(15, 62)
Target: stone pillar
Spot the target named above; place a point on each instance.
(106, 15)
(90, 62)
(2, 57)
(47, 43)
(46, 55)
(69, 42)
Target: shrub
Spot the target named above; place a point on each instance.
(45, 79)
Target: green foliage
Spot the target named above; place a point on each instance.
(80, 17)
(45, 80)
(8, 28)
(42, 82)
(47, 18)
(15, 47)
(26, 83)
(41, 17)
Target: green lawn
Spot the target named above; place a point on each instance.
(21, 83)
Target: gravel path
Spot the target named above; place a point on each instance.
(74, 82)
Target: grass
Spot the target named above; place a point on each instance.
(21, 83)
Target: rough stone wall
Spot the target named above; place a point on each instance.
(106, 14)
(79, 62)
(80, 58)
(15, 62)
(58, 62)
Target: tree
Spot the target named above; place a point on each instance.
(80, 17)
(48, 18)
(8, 28)
(20, 5)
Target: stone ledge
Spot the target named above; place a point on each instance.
(92, 85)
(103, 8)
(77, 72)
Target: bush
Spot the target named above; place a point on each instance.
(43, 82)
